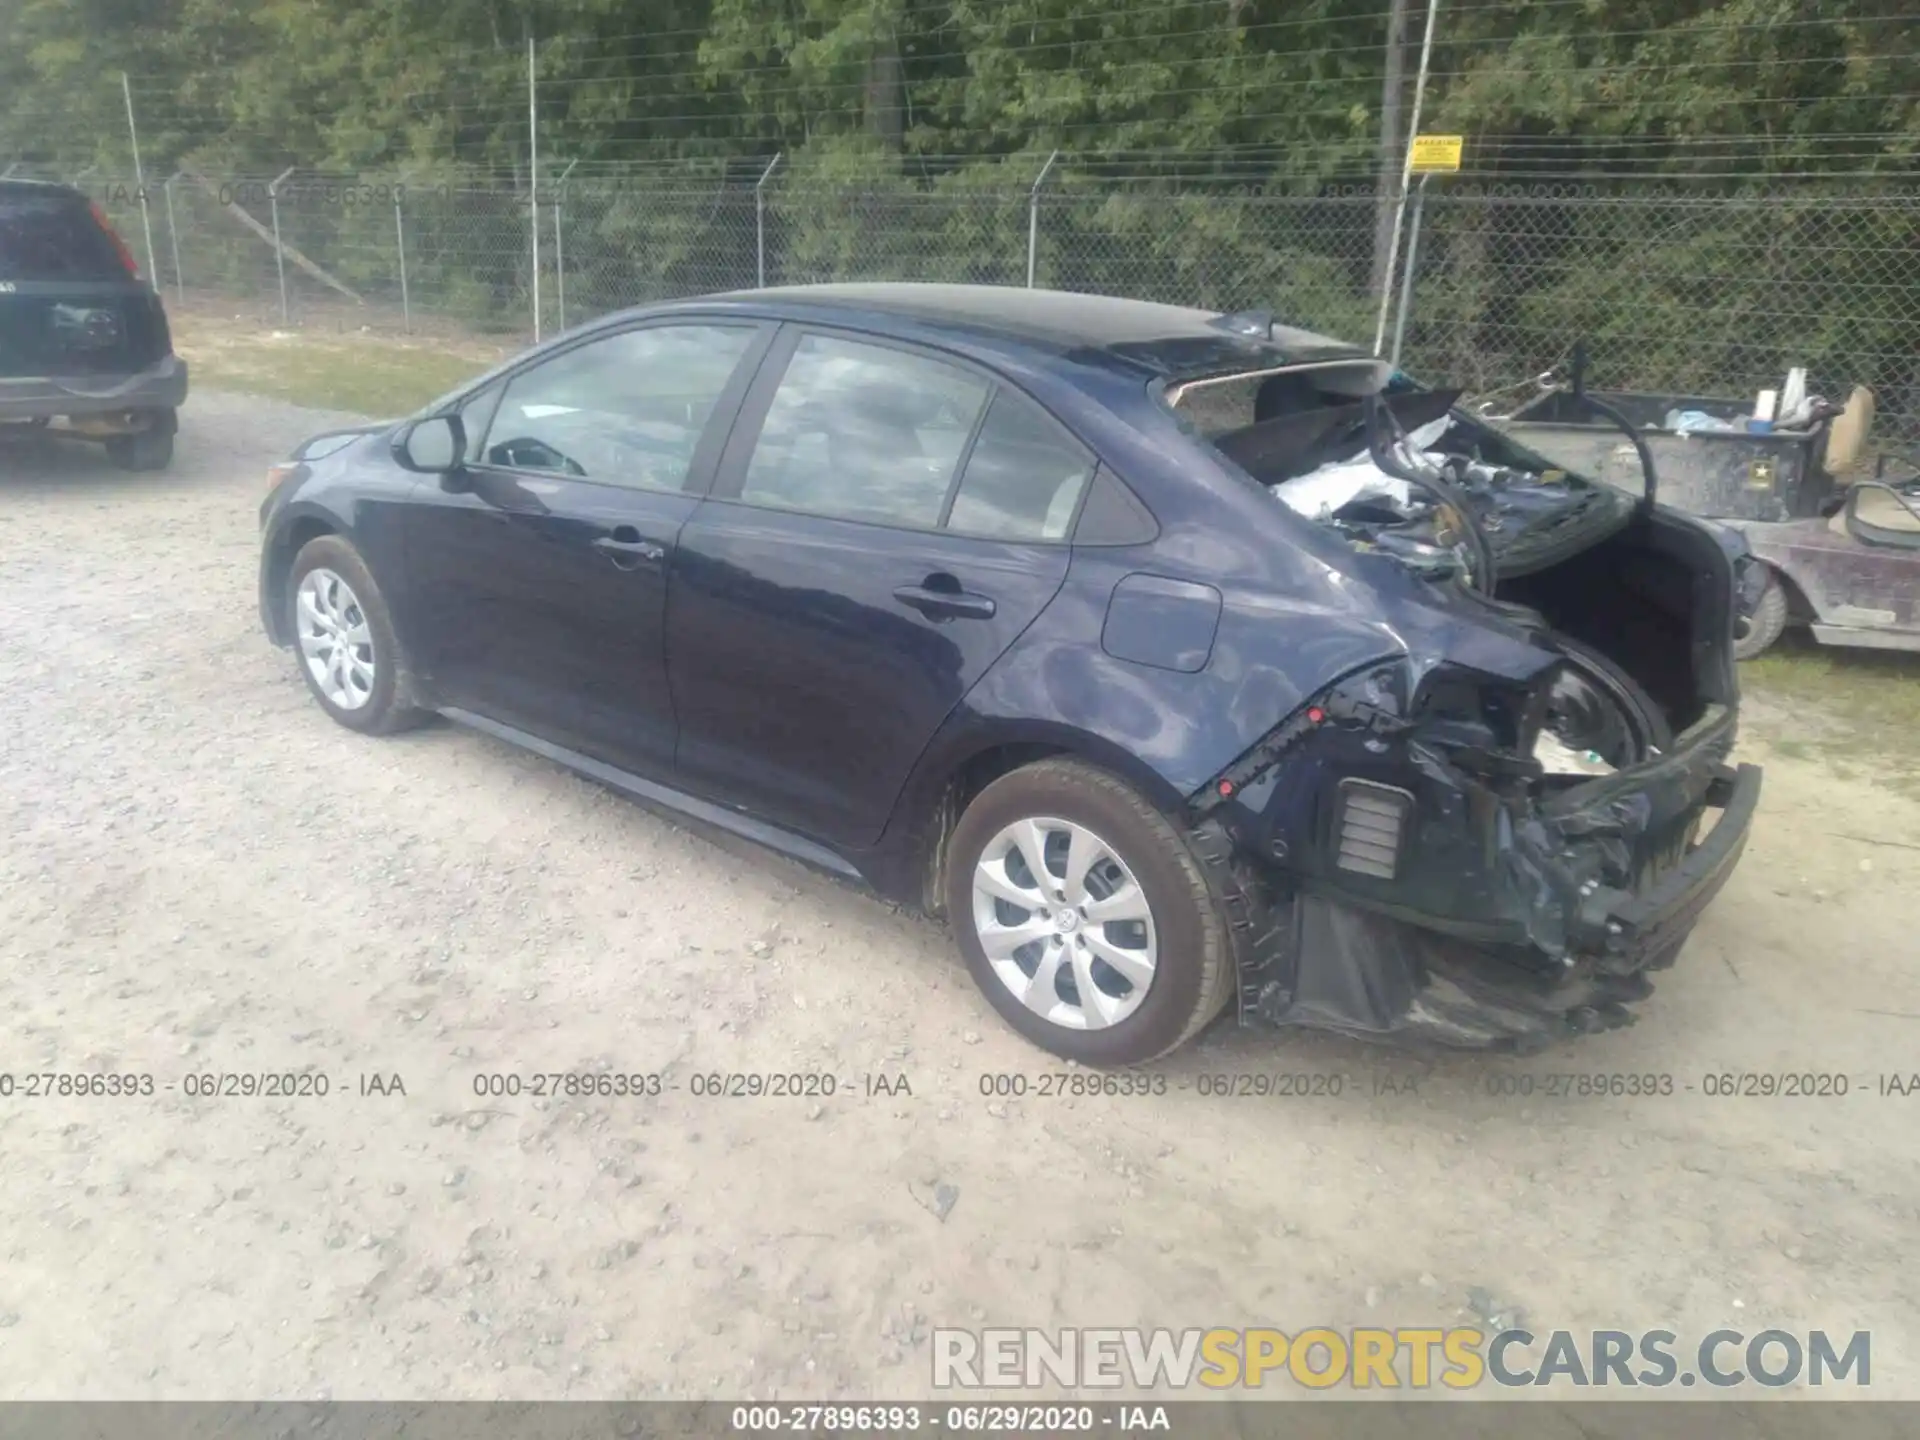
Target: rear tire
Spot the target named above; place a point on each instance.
(1120, 952)
(344, 643)
(149, 449)
(1769, 620)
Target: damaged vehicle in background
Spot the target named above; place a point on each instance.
(1180, 661)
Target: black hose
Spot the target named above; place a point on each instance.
(1381, 449)
(1606, 411)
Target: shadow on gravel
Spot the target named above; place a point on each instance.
(32, 460)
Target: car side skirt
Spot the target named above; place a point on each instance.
(651, 792)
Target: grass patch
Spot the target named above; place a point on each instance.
(368, 375)
(1852, 709)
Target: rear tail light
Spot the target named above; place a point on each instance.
(1369, 828)
(119, 245)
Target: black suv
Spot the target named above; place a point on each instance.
(83, 339)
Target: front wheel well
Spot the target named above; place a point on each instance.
(287, 548)
(1800, 609)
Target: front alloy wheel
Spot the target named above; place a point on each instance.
(335, 639)
(349, 655)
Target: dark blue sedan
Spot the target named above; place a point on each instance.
(1180, 661)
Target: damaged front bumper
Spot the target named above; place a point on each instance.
(1414, 887)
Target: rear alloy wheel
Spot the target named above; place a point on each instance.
(348, 654)
(1084, 917)
(1063, 923)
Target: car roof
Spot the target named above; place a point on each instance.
(1172, 340)
(1065, 330)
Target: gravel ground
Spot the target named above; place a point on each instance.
(201, 873)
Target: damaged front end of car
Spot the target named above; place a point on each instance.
(1490, 840)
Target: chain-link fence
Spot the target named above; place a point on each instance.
(1675, 291)
(1674, 288)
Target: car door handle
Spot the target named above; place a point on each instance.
(625, 545)
(945, 602)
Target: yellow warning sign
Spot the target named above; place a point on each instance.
(1436, 152)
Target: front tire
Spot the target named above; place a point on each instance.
(1768, 622)
(1084, 917)
(344, 642)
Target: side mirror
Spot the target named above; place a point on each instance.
(436, 445)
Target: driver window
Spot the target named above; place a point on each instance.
(627, 409)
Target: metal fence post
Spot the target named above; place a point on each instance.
(279, 256)
(559, 266)
(533, 180)
(559, 245)
(140, 180)
(1413, 259)
(173, 240)
(400, 244)
(1406, 175)
(1033, 219)
(760, 222)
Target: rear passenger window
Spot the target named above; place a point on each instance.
(1024, 478)
(864, 432)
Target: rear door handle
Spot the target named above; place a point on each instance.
(626, 549)
(939, 603)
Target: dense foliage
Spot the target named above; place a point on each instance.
(1271, 88)
(1742, 172)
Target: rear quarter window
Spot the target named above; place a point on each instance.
(1024, 477)
(53, 237)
